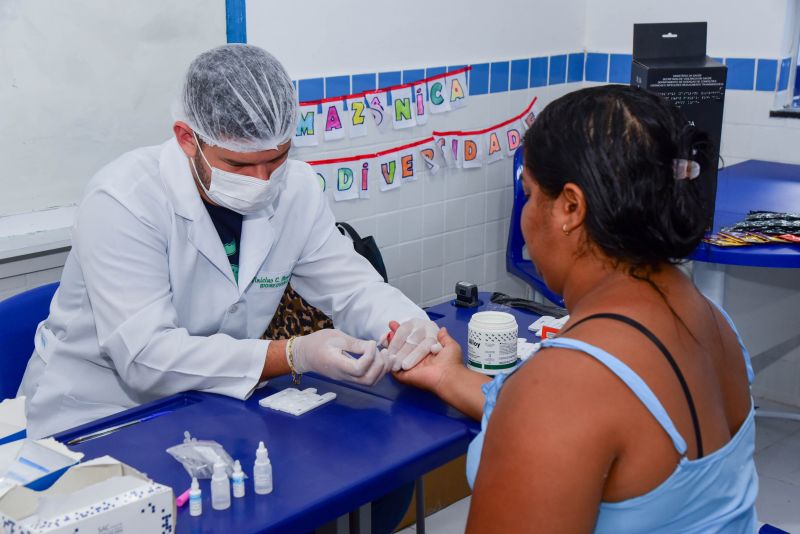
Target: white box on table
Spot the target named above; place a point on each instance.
(101, 495)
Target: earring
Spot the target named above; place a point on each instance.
(564, 229)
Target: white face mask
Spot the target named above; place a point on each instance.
(238, 192)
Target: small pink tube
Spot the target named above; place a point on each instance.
(181, 499)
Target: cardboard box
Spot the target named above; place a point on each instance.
(670, 59)
(102, 495)
(34, 463)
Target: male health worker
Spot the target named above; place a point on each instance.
(181, 253)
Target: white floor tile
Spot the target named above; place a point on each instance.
(781, 460)
(778, 503)
(771, 430)
(450, 520)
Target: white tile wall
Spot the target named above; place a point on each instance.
(445, 228)
(748, 132)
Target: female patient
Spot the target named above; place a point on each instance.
(638, 416)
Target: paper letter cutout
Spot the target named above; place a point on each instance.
(473, 151)
(307, 134)
(407, 167)
(528, 120)
(333, 121)
(457, 90)
(378, 109)
(388, 172)
(366, 166)
(420, 104)
(346, 188)
(431, 155)
(358, 122)
(513, 137)
(344, 180)
(494, 151)
(438, 102)
(403, 116)
(494, 143)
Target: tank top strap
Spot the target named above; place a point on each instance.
(631, 379)
(745, 353)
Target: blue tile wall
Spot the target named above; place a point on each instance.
(797, 84)
(499, 77)
(762, 74)
(388, 79)
(479, 79)
(451, 68)
(558, 69)
(766, 74)
(519, 74)
(575, 68)
(620, 69)
(596, 67)
(538, 71)
(311, 89)
(337, 86)
(783, 82)
(363, 82)
(741, 73)
(413, 75)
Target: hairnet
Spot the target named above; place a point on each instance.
(238, 97)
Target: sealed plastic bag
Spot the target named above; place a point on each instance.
(199, 456)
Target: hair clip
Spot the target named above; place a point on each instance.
(685, 169)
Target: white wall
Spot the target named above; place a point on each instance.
(432, 232)
(736, 28)
(318, 38)
(83, 81)
(439, 230)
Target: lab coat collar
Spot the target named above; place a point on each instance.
(258, 234)
(179, 182)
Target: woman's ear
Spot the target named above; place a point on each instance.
(571, 207)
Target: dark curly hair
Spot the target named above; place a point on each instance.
(618, 143)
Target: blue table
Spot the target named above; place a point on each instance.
(325, 463)
(456, 321)
(754, 185)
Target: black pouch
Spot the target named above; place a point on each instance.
(366, 246)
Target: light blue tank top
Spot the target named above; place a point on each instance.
(715, 493)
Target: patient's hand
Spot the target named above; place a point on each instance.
(429, 373)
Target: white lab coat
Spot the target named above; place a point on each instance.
(148, 305)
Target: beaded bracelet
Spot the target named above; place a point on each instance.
(290, 360)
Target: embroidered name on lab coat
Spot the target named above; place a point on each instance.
(272, 281)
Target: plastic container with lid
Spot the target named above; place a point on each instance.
(492, 342)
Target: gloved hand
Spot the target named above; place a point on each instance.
(412, 341)
(323, 352)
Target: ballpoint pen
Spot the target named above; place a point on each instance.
(112, 429)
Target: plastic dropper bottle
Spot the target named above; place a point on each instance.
(220, 488)
(237, 479)
(262, 471)
(195, 499)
